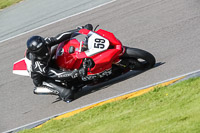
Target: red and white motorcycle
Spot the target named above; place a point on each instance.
(102, 53)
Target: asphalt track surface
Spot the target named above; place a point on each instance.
(168, 29)
(31, 14)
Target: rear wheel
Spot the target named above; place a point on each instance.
(137, 59)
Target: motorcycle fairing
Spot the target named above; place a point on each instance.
(104, 55)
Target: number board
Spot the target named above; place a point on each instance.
(96, 44)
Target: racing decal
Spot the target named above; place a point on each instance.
(99, 43)
(64, 74)
(98, 75)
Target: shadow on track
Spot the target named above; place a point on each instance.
(90, 89)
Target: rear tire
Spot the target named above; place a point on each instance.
(137, 59)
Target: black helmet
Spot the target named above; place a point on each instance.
(36, 45)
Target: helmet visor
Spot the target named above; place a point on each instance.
(42, 53)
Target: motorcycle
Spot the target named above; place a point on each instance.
(99, 52)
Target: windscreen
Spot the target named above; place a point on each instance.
(82, 39)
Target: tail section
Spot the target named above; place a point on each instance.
(20, 68)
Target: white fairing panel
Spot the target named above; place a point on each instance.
(28, 65)
(21, 72)
(96, 44)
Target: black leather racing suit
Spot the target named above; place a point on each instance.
(40, 70)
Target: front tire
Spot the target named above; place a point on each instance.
(137, 59)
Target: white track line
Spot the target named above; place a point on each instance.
(59, 20)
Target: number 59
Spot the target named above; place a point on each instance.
(99, 43)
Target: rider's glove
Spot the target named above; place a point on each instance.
(75, 73)
(82, 72)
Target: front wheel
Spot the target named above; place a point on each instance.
(137, 59)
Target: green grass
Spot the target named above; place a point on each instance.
(172, 109)
(6, 3)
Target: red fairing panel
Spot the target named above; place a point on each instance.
(110, 36)
(20, 68)
(103, 61)
(68, 61)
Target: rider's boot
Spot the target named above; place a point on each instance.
(65, 94)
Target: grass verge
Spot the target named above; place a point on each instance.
(6, 3)
(166, 109)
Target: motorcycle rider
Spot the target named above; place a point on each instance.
(39, 52)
